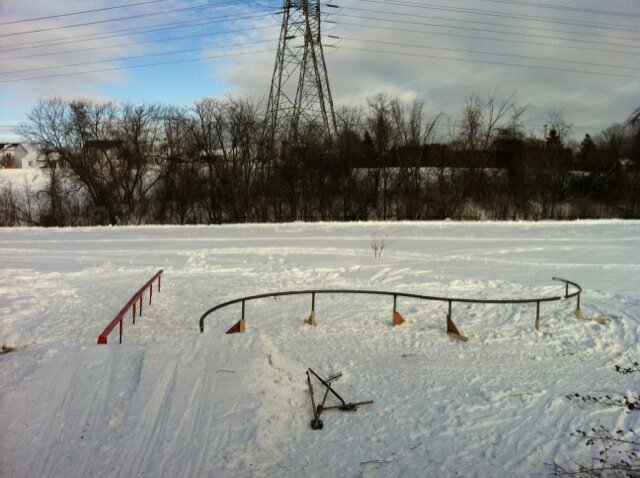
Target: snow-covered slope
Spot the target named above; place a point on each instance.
(171, 401)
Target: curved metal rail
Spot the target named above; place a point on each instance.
(577, 293)
(395, 295)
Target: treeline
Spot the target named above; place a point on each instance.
(216, 163)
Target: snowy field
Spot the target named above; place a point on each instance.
(172, 402)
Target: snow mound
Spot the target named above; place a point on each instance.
(171, 401)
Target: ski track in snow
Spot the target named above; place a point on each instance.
(171, 402)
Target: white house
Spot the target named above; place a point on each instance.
(12, 155)
(32, 159)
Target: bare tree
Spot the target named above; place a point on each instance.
(377, 244)
(412, 133)
(103, 147)
(208, 137)
(629, 202)
(382, 134)
(180, 192)
(349, 154)
(557, 122)
(497, 111)
(471, 125)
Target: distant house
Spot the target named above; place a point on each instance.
(12, 154)
(48, 160)
(31, 159)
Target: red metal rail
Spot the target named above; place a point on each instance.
(137, 298)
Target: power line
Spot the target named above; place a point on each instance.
(566, 8)
(145, 65)
(476, 37)
(505, 15)
(134, 57)
(527, 57)
(142, 15)
(486, 30)
(535, 67)
(69, 14)
(351, 48)
(478, 22)
(158, 40)
(139, 30)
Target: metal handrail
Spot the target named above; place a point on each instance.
(575, 294)
(118, 319)
(567, 284)
(395, 295)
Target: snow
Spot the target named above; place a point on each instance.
(171, 401)
(19, 177)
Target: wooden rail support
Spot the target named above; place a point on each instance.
(452, 330)
(238, 328)
(312, 317)
(544, 334)
(396, 318)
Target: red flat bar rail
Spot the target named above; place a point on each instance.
(137, 298)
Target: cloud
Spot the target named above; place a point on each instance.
(419, 33)
(53, 48)
(589, 101)
(86, 48)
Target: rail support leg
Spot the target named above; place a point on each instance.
(239, 326)
(452, 330)
(140, 308)
(150, 292)
(134, 313)
(120, 329)
(396, 318)
(578, 311)
(544, 334)
(312, 317)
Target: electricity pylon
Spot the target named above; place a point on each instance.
(302, 62)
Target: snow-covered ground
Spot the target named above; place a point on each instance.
(171, 401)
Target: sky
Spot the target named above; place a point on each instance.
(580, 58)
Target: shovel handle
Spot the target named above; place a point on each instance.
(348, 406)
(313, 402)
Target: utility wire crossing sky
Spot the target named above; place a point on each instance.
(581, 58)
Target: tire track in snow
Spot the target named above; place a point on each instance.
(151, 425)
(82, 392)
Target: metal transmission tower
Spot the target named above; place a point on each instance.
(303, 63)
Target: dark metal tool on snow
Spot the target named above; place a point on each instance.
(316, 423)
